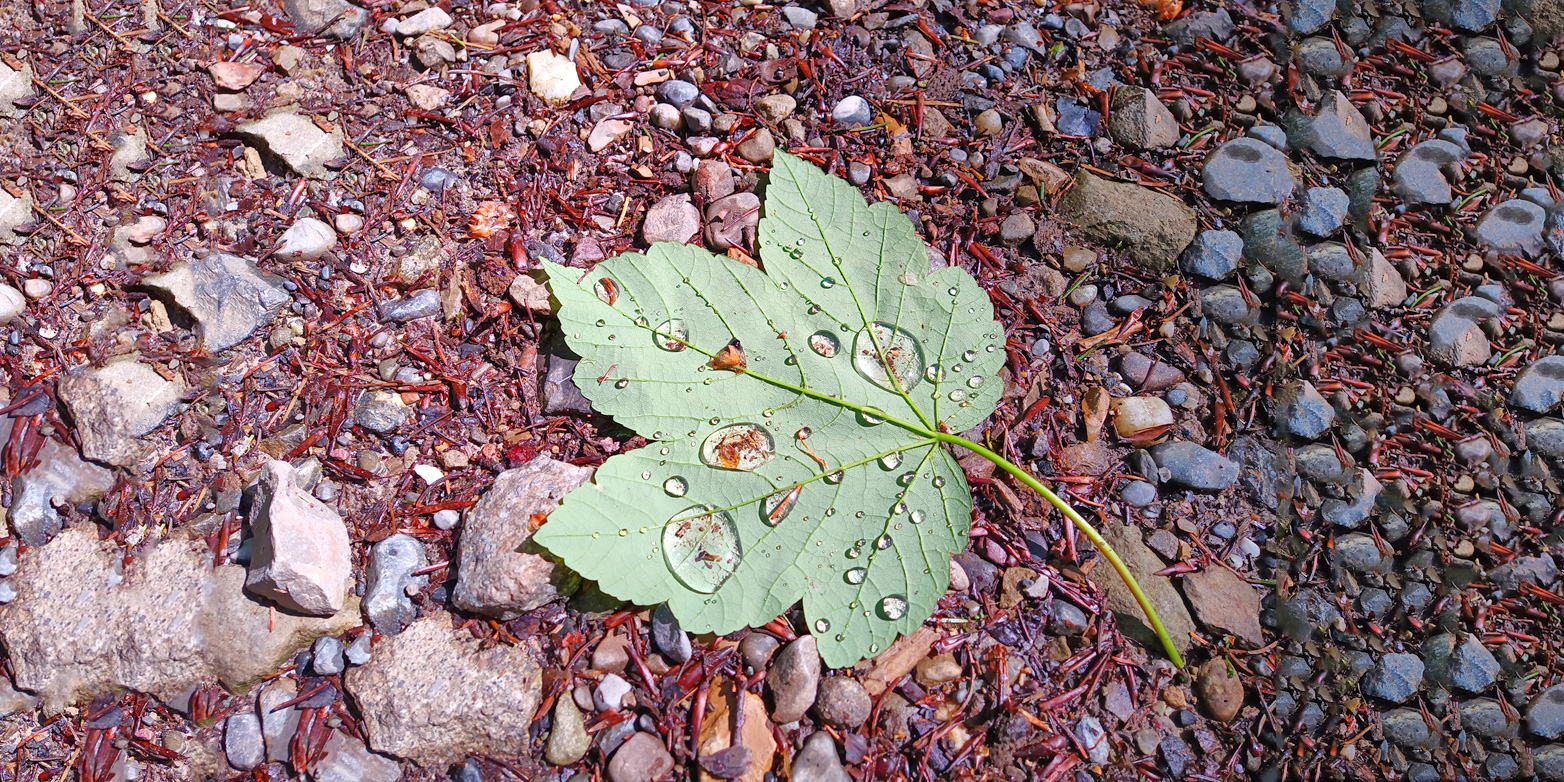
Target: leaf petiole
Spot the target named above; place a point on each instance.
(1084, 526)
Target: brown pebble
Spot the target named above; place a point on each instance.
(1220, 691)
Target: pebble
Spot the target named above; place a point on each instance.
(852, 111)
(670, 641)
(937, 670)
(1395, 678)
(552, 77)
(1214, 254)
(642, 758)
(1138, 119)
(1195, 467)
(568, 740)
(1455, 334)
(757, 649)
(307, 239)
(677, 93)
(1016, 228)
(360, 650)
(302, 555)
(1089, 732)
(1138, 494)
(818, 761)
(392, 563)
(36, 288)
(426, 21)
(1065, 618)
(610, 693)
(759, 147)
(1302, 411)
(1323, 211)
(422, 304)
(1220, 690)
(1545, 714)
(800, 18)
(1514, 227)
(775, 108)
(672, 219)
(843, 702)
(326, 656)
(1340, 131)
(794, 680)
(243, 741)
(1419, 176)
(12, 304)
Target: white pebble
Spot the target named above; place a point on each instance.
(446, 519)
(307, 239)
(611, 692)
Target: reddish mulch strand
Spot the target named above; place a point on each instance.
(1358, 543)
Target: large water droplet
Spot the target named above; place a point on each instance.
(893, 607)
(883, 542)
(622, 383)
(701, 547)
(738, 447)
(970, 355)
(672, 335)
(825, 343)
(891, 460)
(975, 381)
(607, 290)
(827, 282)
(856, 575)
(918, 516)
(835, 477)
(902, 357)
(908, 279)
(939, 481)
(870, 420)
(822, 625)
(906, 479)
(776, 507)
(676, 486)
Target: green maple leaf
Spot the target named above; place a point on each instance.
(810, 475)
(819, 471)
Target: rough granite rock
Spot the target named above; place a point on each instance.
(226, 296)
(296, 140)
(57, 472)
(79, 626)
(1154, 227)
(114, 405)
(432, 695)
(1143, 562)
(495, 575)
(346, 759)
(15, 85)
(326, 18)
(302, 555)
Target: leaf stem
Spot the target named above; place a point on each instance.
(1084, 526)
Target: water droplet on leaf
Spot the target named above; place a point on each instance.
(893, 607)
(738, 447)
(622, 383)
(822, 625)
(675, 486)
(672, 335)
(701, 547)
(976, 381)
(856, 575)
(824, 343)
(888, 356)
(891, 461)
(779, 505)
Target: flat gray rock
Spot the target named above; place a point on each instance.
(1195, 467)
(433, 694)
(1160, 592)
(114, 405)
(296, 140)
(1153, 227)
(326, 18)
(1539, 388)
(1247, 170)
(1455, 335)
(1419, 178)
(497, 573)
(57, 472)
(1515, 227)
(227, 296)
(1324, 211)
(1341, 132)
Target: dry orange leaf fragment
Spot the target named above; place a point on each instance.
(730, 357)
(490, 218)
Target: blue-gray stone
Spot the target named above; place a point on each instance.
(1484, 717)
(1471, 666)
(1195, 467)
(1319, 57)
(1075, 118)
(1302, 411)
(423, 304)
(1545, 715)
(391, 565)
(1138, 494)
(1304, 612)
(1540, 387)
(677, 92)
(1310, 15)
(1472, 15)
(1324, 210)
(1405, 727)
(1226, 304)
(1418, 178)
(1340, 131)
(1515, 226)
(1247, 170)
(1213, 255)
(1215, 25)
(1359, 553)
(326, 656)
(852, 111)
(1395, 678)
(1270, 134)
(1331, 261)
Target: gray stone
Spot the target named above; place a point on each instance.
(800, 18)
(500, 573)
(731, 221)
(1268, 241)
(1472, 15)
(678, 93)
(1406, 728)
(360, 650)
(1248, 171)
(1340, 131)
(82, 623)
(433, 694)
(1515, 227)
(326, 18)
(1300, 615)
(1487, 58)
(1213, 254)
(1154, 227)
(1066, 619)
(1362, 493)
(1319, 57)
(1359, 553)
(1307, 16)
(114, 405)
(392, 563)
(381, 411)
(1195, 467)
(852, 111)
(1470, 666)
(57, 471)
(1215, 25)
(672, 219)
(326, 656)
(1324, 211)
(1147, 373)
(1381, 283)
(1455, 335)
(278, 722)
(1484, 717)
(12, 302)
(1540, 570)
(1138, 494)
(1138, 119)
(346, 759)
(422, 304)
(818, 761)
(1549, 763)
(757, 648)
(1540, 387)
(794, 679)
(1095, 319)
(243, 743)
(1395, 678)
(1302, 411)
(15, 85)
(294, 139)
(1159, 590)
(130, 149)
(14, 213)
(1419, 177)
(1319, 463)
(1545, 715)
(226, 295)
(300, 552)
(668, 638)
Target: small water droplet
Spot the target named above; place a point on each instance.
(790, 360)
(672, 335)
(640, 320)
(856, 575)
(596, 535)
(976, 381)
(803, 433)
(663, 452)
(953, 291)
(800, 242)
(970, 355)
(675, 486)
(622, 383)
(934, 373)
(939, 481)
(891, 461)
(893, 607)
(870, 420)
(899, 508)
(741, 447)
(902, 361)
(883, 542)
(657, 435)
(825, 343)
(646, 476)
(908, 279)
(829, 512)
(827, 282)
(623, 532)
(835, 477)
(991, 348)
(874, 648)
(701, 547)
(917, 516)
(822, 625)
(958, 395)
(601, 323)
(906, 479)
